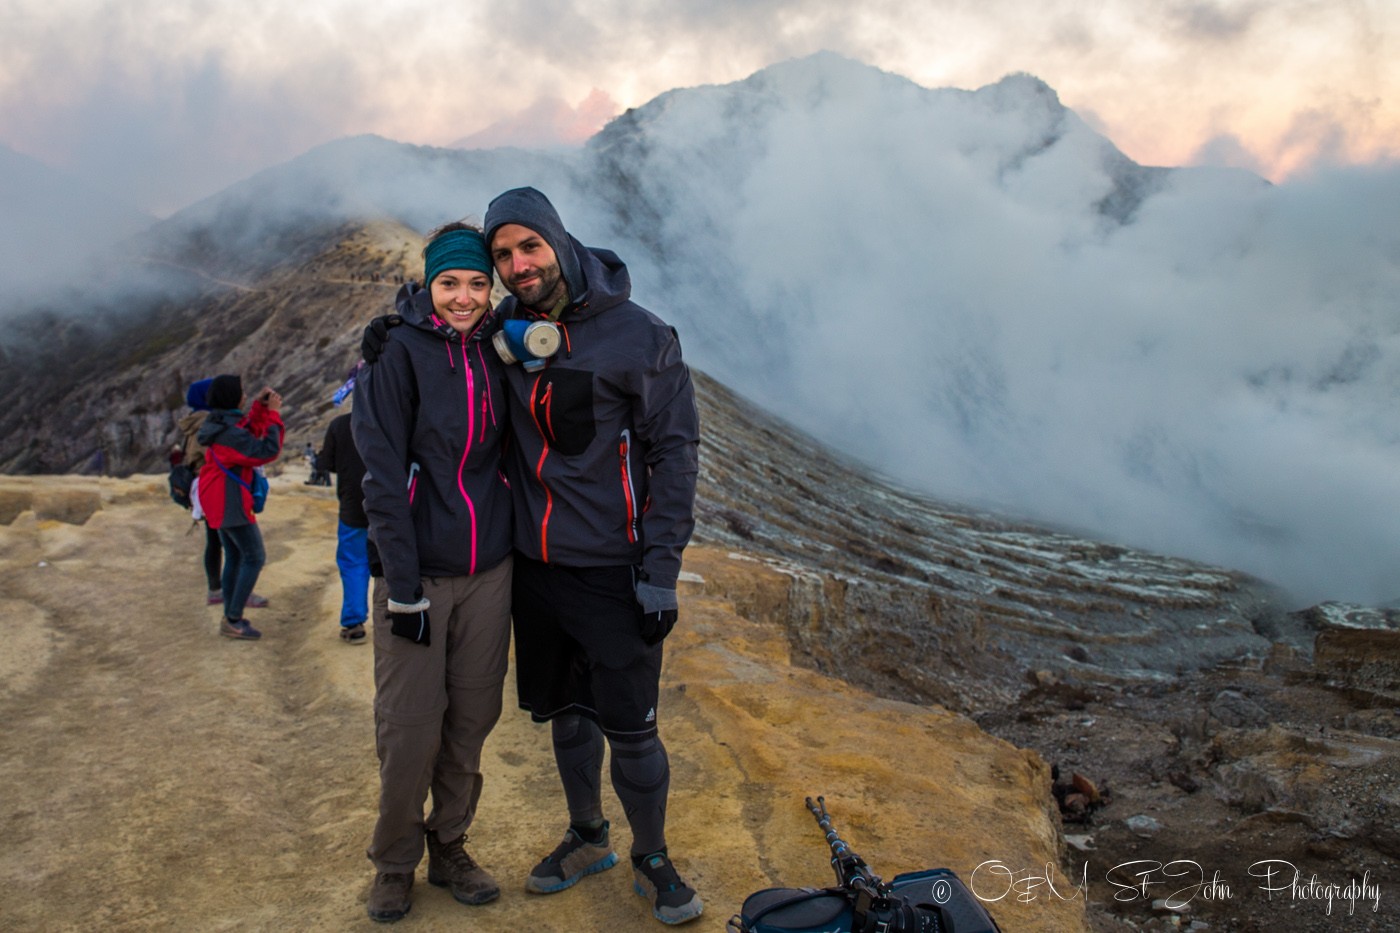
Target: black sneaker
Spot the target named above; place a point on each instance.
(353, 634)
(571, 860)
(672, 900)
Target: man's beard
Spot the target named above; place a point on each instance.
(542, 295)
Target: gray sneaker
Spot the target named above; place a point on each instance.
(449, 866)
(389, 897)
(571, 860)
(672, 900)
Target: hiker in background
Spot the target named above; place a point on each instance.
(191, 453)
(429, 422)
(235, 445)
(339, 456)
(317, 474)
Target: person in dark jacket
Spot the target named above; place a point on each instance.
(603, 471)
(429, 423)
(235, 445)
(339, 456)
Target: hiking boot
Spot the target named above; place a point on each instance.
(389, 897)
(449, 866)
(571, 860)
(256, 602)
(216, 597)
(239, 628)
(354, 634)
(672, 900)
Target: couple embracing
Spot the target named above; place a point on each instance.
(556, 489)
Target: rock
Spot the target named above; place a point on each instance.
(1237, 711)
(1359, 657)
(1164, 905)
(1080, 842)
(1142, 825)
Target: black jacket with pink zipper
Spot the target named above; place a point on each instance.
(429, 422)
(605, 449)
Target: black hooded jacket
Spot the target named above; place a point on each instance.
(429, 422)
(605, 453)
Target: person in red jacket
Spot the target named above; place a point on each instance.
(235, 444)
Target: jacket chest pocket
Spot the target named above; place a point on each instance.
(562, 404)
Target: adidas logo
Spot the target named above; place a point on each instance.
(651, 715)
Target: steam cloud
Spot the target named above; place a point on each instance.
(929, 281)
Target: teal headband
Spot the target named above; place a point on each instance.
(455, 249)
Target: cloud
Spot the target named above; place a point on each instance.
(1216, 22)
(165, 104)
(547, 123)
(941, 294)
(1227, 151)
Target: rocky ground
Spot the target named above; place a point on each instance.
(1209, 783)
(158, 777)
(1215, 731)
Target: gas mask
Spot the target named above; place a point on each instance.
(529, 343)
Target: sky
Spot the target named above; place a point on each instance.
(162, 104)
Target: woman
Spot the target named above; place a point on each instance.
(235, 445)
(429, 427)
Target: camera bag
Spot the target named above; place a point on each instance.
(931, 901)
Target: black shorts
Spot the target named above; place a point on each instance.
(579, 648)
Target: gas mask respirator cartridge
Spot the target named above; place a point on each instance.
(529, 343)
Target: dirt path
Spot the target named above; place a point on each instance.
(156, 776)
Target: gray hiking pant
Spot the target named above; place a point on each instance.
(434, 705)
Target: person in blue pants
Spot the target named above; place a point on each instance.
(339, 456)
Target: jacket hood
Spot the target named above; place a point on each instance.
(197, 395)
(216, 423)
(596, 278)
(608, 281)
(530, 208)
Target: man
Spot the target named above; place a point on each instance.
(339, 456)
(603, 473)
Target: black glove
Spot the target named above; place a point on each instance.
(658, 611)
(376, 336)
(657, 625)
(410, 621)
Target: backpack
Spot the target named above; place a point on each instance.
(258, 490)
(181, 481)
(932, 901)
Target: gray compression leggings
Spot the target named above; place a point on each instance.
(641, 777)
